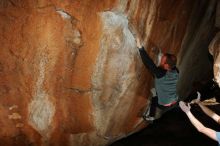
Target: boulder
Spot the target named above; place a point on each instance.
(70, 72)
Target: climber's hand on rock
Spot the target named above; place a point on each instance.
(155, 50)
(138, 42)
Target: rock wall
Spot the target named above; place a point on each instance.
(214, 49)
(195, 62)
(70, 73)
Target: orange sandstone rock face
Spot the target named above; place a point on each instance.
(214, 49)
(70, 73)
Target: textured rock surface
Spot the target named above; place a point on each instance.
(195, 63)
(70, 73)
(214, 49)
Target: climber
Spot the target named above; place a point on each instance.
(166, 76)
(213, 134)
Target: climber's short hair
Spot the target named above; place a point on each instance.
(170, 60)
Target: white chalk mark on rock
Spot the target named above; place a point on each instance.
(41, 110)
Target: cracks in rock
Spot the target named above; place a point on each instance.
(82, 91)
(72, 35)
(12, 3)
(6, 3)
(50, 4)
(15, 55)
(46, 6)
(63, 13)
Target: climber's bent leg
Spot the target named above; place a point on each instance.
(150, 113)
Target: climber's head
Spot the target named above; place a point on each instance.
(168, 61)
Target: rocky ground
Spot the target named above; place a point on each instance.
(173, 129)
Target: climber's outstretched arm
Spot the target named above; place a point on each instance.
(148, 62)
(199, 126)
(206, 110)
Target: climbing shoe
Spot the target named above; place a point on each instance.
(149, 119)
